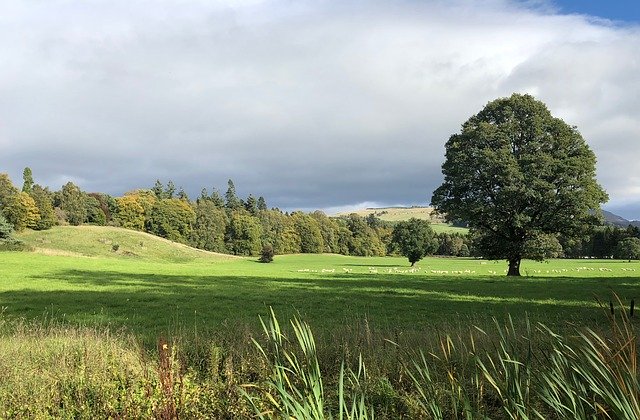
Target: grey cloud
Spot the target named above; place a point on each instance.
(313, 105)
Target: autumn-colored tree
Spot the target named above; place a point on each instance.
(21, 211)
(6, 190)
(130, 214)
(134, 209)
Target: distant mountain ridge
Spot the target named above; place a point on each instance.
(620, 221)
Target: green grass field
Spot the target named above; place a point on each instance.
(153, 287)
(153, 329)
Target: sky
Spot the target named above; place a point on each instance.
(312, 104)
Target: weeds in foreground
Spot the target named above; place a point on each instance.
(295, 388)
(506, 370)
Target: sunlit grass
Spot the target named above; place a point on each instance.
(152, 296)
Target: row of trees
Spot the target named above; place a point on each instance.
(605, 242)
(229, 224)
(212, 222)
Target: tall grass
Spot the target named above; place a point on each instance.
(295, 388)
(506, 370)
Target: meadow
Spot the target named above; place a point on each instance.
(153, 287)
(87, 311)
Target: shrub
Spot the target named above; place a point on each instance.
(266, 255)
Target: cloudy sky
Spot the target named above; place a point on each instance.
(313, 104)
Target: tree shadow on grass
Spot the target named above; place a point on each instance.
(157, 304)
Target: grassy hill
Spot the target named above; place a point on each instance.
(397, 214)
(111, 242)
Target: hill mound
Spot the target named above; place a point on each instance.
(107, 241)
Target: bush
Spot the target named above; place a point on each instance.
(14, 245)
(266, 255)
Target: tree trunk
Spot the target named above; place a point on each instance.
(514, 267)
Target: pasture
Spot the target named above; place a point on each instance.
(153, 287)
(397, 214)
(88, 321)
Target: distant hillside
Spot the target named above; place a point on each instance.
(396, 214)
(616, 220)
(104, 241)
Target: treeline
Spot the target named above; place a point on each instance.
(605, 242)
(213, 222)
(228, 224)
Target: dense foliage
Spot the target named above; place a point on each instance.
(414, 239)
(244, 227)
(518, 175)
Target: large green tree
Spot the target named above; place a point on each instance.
(72, 203)
(173, 219)
(27, 177)
(6, 229)
(308, 228)
(210, 226)
(414, 239)
(515, 173)
(232, 202)
(44, 201)
(628, 249)
(243, 234)
(94, 213)
(363, 240)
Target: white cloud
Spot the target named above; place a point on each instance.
(311, 104)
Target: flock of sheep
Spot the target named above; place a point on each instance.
(416, 269)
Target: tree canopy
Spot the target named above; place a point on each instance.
(628, 249)
(414, 239)
(516, 174)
